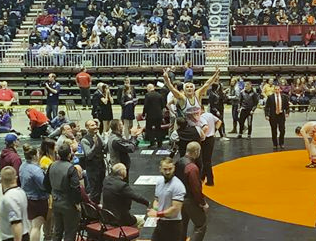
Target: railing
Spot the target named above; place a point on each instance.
(18, 56)
(112, 58)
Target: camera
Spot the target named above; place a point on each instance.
(43, 83)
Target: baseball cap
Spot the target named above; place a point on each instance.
(10, 138)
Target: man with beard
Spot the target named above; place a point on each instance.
(93, 148)
(169, 195)
(194, 205)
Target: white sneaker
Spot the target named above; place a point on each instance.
(224, 139)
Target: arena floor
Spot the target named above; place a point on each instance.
(237, 218)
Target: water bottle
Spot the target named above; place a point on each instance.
(79, 150)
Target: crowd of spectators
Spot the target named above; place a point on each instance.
(273, 12)
(299, 91)
(165, 24)
(11, 15)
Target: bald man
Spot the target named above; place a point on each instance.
(13, 208)
(307, 131)
(153, 107)
(118, 196)
(194, 205)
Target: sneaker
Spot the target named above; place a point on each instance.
(83, 108)
(233, 132)
(248, 137)
(239, 136)
(224, 139)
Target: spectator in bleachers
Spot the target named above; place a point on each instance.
(45, 52)
(121, 37)
(267, 3)
(101, 18)
(174, 3)
(5, 17)
(99, 28)
(297, 95)
(67, 12)
(257, 10)
(163, 3)
(179, 49)
(117, 14)
(268, 89)
(281, 17)
(171, 29)
(183, 30)
(44, 19)
(198, 7)
(6, 95)
(127, 28)
(159, 10)
(94, 41)
(310, 91)
(130, 12)
(155, 18)
(110, 29)
(197, 28)
(52, 8)
(68, 38)
(186, 2)
(170, 16)
(285, 88)
(309, 37)
(59, 54)
(52, 37)
(60, 17)
(166, 41)
(138, 30)
(82, 40)
(58, 28)
(4, 32)
(34, 38)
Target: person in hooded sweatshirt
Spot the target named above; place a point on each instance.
(9, 155)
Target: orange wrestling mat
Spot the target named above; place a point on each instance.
(276, 186)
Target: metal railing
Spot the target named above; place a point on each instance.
(113, 58)
(16, 55)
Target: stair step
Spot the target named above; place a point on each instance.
(39, 2)
(28, 26)
(33, 14)
(22, 35)
(27, 22)
(18, 40)
(35, 10)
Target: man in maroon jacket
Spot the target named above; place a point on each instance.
(9, 155)
(194, 205)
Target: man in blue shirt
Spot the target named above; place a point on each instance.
(188, 75)
(53, 89)
(59, 120)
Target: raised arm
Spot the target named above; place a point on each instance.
(176, 93)
(202, 90)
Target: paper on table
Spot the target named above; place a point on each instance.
(147, 152)
(151, 222)
(160, 84)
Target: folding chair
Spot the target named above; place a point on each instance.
(311, 108)
(118, 232)
(71, 106)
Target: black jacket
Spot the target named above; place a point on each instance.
(118, 197)
(248, 100)
(153, 106)
(270, 108)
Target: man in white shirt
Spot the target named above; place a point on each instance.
(101, 17)
(111, 29)
(276, 111)
(139, 30)
(98, 27)
(13, 208)
(207, 145)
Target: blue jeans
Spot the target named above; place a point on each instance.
(51, 109)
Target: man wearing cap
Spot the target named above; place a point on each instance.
(9, 155)
(38, 122)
